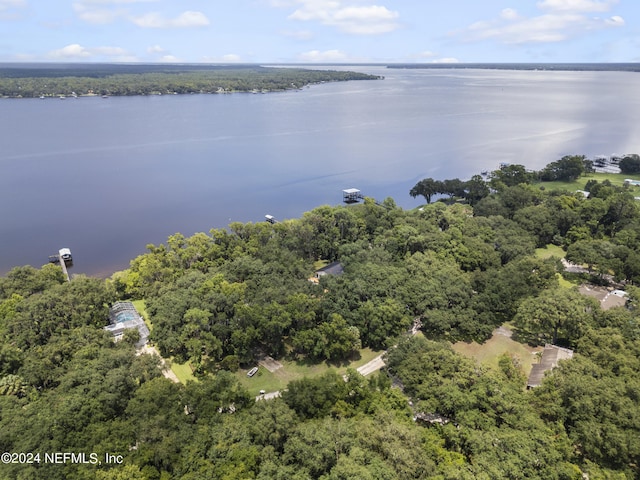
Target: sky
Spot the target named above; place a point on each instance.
(319, 31)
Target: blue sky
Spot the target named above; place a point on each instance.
(322, 31)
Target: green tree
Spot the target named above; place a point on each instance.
(440, 294)
(453, 187)
(271, 423)
(561, 313)
(568, 169)
(315, 397)
(475, 189)
(630, 164)
(539, 221)
(331, 340)
(596, 254)
(27, 280)
(622, 211)
(510, 176)
(426, 188)
(380, 322)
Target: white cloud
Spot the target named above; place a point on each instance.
(374, 13)
(615, 21)
(76, 51)
(350, 16)
(509, 14)
(7, 4)
(161, 54)
(103, 11)
(97, 16)
(107, 11)
(71, 51)
(563, 19)
(577, 5)
(315, 56)
(8, 8)
(446, 60)
(109, 51)
(156, 49)
(186, 19)
(169, 59)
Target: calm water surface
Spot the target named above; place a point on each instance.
(107, 176)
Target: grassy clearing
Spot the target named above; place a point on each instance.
(615, 179)
(318, 264)
(490, 352)
(141, 307)
(295, 370)
(564, 283)
(555, 251)
(550, 251)
(183, 372)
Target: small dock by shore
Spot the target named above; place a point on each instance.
(62, 258)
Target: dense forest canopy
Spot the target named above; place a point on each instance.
(108, 79)
(453, 270)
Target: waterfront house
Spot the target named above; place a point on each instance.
(124, 316)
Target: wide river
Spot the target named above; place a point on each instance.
(105, 177)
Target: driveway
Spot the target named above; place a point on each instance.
(372, 366)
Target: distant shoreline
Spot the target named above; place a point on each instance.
(75, 80)
(558, 67)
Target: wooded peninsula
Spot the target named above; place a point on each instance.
(62, 80)
(302, 303)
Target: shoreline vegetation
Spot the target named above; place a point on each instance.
(76, 80)
(572, 173)
(421, 284)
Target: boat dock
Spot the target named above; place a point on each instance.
(64, 269)
(64, 259)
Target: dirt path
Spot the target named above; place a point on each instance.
(166, 371)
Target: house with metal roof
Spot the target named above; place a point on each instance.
(334, 268)
(551, 356)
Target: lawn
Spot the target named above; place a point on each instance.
(141, 307)
(490, 352)
(564, 283)
(183, 372)
(615, 179)
(554, 251)
(550, 251)
(295, 370)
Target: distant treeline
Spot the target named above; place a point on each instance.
(37, 80)
(579, 67)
